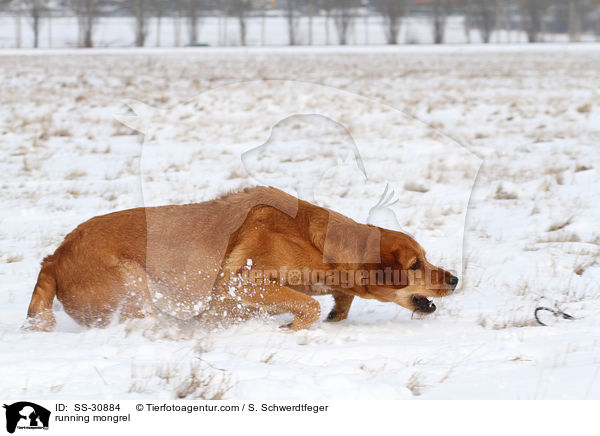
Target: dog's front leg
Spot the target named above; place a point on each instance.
(276, 298)
(341, 307)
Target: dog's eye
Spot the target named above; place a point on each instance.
(415, 266)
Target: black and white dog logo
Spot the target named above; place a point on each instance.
(26, 415)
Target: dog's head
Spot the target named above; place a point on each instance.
(407, 278)
(388, 266)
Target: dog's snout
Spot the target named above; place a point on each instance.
(453, 281)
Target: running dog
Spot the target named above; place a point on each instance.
(259, 249)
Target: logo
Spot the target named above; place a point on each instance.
(26, 415)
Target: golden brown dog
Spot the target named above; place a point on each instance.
(260, 249)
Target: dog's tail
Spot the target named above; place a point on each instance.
(39, 314)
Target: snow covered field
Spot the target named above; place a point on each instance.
(514, 130)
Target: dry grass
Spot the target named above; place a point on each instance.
(56, 388)
(14, 258)
(415, 187)
(102, 150)
(520, 359)
(30, 164)
(579, 266)
(502, 194)
(415, 384)
(372, 371)
(559, 236)
(110, 196)
(74, 192)
(201, 384)
(64, 132)
(269, 358)
(201, 379)
(560, 224)
(534, 210)
(511, 319)
(580, 269)
(523, 289)
(555, 170)
(546, 185)
(513, 323)
(75, 175)
(584, 108)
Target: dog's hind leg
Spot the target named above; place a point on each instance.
(341, 307)
(135, 290)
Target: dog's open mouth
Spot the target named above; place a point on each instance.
(423, 304)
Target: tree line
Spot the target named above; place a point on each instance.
(534, 17)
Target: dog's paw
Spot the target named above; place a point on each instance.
(335, 316)
(42, 322)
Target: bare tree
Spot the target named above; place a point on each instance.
(193, 9)
(4, 5)
(343, 15)
(159, 8)
(392, 12)
(596, 26)
(263, 22)
(467, 8)
(311, 13)
(533, 12)
(485, 17)
(241, 9)
(439, 9)
(574, 24)
(85, 19)
(586, 18)
(291, 14)
(36, 9)
(18, 33)
(85, 11)
(140, 9)
(327, 6)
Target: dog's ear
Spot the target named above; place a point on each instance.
(405, 257)
(342, 240)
